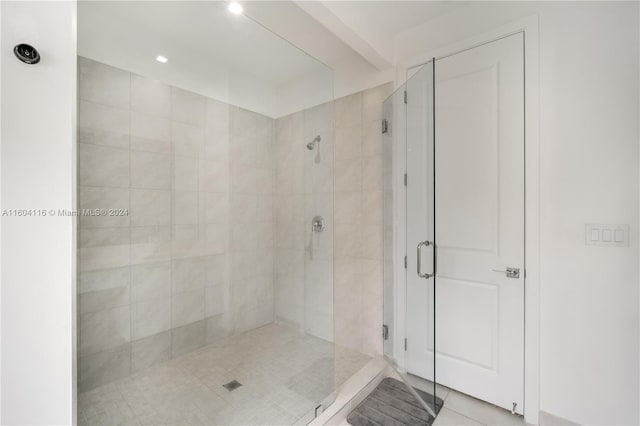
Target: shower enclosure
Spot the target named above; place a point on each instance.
(206, 249)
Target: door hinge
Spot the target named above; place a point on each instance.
(405, 179)
(405, 96)
(385, 125)
(405, 344)
(385, 332)
(405, 262)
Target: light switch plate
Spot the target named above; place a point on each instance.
(606, 235)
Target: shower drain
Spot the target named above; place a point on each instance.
(232, 385)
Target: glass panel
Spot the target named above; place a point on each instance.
(389, 171)
(205, 297)
(420, 231)
(409, 309)
(394, 158)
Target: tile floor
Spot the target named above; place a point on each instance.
(284, 375)
(462, 410)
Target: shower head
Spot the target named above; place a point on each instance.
(312, 144)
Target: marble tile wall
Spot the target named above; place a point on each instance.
(349, 178)
(359, 220)
(303, 190)
(192, 258)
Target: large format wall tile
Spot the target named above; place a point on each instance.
(150, 170)
(150, 317)
(150, 351)
(187, 307)
(104, 367)
(103, 166)
(150, 96)
(214, 300)
(352, 238)
(188, 274)
(98, 198)
(358, 237)
(185, 207)
(187, 140)
(214, 207)
(98, 237)
(150, 234)
(150, 252)
(348, 175)
(372, 173)
(99, 300)
(103, 330)
(150, 207)
(194, 178)
(103, 125)
(217, 119)
(150, 133)
(348, 207)
(213, 176)
(103, 279)
(216, 329)
(187, 338)
(103, 84)
(150, 281)
(95, 258)
(187, 107)
(348, 111)
(348, 143)
(185, 174)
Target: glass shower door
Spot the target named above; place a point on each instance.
(409, 278)
(420, 312)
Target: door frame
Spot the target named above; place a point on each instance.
(530, 28)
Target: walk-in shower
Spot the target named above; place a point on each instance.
(211, 300)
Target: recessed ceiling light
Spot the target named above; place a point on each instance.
(161, 59)
(235, 8)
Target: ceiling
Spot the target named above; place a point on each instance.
(388, 18)
(240, 59)
(370, 27)
(191, 34)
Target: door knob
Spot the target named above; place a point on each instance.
(510, 272)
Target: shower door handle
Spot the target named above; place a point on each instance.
(419, 263)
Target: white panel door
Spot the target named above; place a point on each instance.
(479, 228)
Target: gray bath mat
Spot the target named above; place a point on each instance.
(391, 404)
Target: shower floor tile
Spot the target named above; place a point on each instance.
(284, 375)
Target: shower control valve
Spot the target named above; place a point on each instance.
(317, 224)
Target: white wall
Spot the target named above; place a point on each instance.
(589, 91)
(38, 255)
